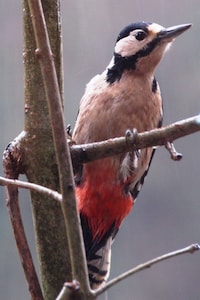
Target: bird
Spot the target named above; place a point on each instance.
(126, 95)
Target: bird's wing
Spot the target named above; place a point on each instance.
(138, 185)
(136, 189)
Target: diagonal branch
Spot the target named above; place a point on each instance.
(190, 249)
(31, 186)
(156, 137)
(88, 152)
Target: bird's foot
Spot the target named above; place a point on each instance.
(131, 136)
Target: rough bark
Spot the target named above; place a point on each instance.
(39, 157)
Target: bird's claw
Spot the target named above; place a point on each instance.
(131, 136)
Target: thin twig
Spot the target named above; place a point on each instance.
(190, 249)
(156, 137)
(31, 186)
(12, 163)
(22, 243)
(44, 54)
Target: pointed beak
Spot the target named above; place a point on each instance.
(170, 33)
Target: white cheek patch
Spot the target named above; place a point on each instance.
(128, 46)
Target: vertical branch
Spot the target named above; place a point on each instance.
(39, 158)
(44, 54)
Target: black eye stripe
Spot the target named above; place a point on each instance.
(127, 63)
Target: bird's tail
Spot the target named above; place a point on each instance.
(98, 252)
(99, 265)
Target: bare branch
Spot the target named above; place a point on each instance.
(190, 249)
(44, 54)
(88, 152)
(22, 243)
(12, 166)
(31, 186)
(156, 137)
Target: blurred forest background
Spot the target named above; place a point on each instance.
(167, 214)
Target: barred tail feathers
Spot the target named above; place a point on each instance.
(99, 268)
(98, 252)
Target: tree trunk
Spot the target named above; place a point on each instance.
(39, 158)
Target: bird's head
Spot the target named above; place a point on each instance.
(140, 46)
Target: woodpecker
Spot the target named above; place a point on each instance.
(125, 96)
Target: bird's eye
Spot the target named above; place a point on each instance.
(140, 35)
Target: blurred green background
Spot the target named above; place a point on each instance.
(167, 213)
